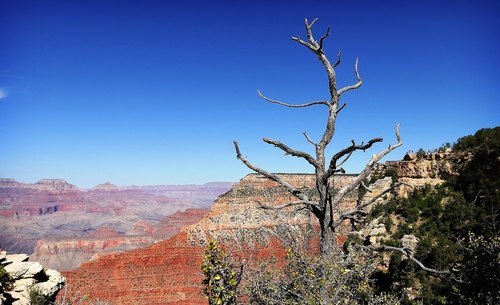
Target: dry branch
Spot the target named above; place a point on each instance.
(291, 105)
(360, 207)
(407, 253)
(291, 151)
(368, 169)
(293, 190)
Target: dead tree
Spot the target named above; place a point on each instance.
(326, 208)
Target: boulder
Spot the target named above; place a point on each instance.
(14, 258)
(26, 276)
(410, 242)
(24, 270)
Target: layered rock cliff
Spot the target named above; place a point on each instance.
(416, 170)
(168, 272)
(69, 253)
(61, 225)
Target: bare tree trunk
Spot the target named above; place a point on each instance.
(326, 207)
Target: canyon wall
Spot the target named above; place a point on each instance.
(62, 226)
(169, 271)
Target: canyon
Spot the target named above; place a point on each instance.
(62, 226)
(168, 272)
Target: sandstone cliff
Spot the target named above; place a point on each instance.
(416, 170)
(168, 272)
(69, 253)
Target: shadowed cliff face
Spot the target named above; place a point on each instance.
(63, 226)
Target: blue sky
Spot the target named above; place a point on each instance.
(154, 92)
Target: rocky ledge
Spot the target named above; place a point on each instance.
(23, 281)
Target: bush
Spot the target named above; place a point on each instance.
(5, 279)
(221, 278)
(306, 279)
(36, 297)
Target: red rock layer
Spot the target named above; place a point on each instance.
(169, 272)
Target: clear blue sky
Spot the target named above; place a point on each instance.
(154, 92)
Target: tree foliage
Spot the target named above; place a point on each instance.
(221, 277)
(308, 280)
(457, 224)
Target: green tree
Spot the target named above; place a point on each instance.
(221, 277)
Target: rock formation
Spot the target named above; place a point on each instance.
(61, 225)
(69, 253)
(428, 168)
(22, 280)
(168, 272)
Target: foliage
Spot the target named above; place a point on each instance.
(221, 277)
(36, 297)
(478, 276)
(306, 279)
(484, 138)
(5, 279)
(458, 225)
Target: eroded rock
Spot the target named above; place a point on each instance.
(25, 277)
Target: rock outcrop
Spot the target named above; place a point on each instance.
(416, 170)
(169, 271)
(22, 281)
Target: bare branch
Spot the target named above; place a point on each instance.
(368, 168)
(345, 159)
(293, 152)
(323, 38)
(305, 43)
(309, 139)
(341, 107)
(359, 208)
(356, 85)
(407, 253)
(338, 60)
(312, 23)
(347, 151)
(293, 190)
(291, 105)
(366, 187)
(289, 204)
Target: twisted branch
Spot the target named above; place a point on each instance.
(407, 253)
(359, 208)
(291, 105)
(291, 151)
(293, 190)
(368, 168)
(356, 85)
(347, 151)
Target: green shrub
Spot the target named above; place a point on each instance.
(5, 279)
(221, 277)
(36, 297)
